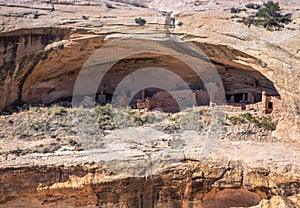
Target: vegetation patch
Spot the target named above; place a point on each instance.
(236, 10)
(104, 117)
(253, 6)
(57, 110)
(236, 120)
(140, 21)
(267, 124)
(126, 117)
(264, 122)
(267, 15)
(250, 118)
(34, 109)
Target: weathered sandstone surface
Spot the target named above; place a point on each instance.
(43, 51)
(42, 57)
(143, 171)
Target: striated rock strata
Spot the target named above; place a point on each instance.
(42, 53)
(42, 57)
(180, 184)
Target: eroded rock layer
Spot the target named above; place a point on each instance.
(42, 66)
(44, 46)
(191, 184)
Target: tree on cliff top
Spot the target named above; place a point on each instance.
(269, 16)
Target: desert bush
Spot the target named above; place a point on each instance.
(250, 118)
(264, 122)
(179, 24)
(189, 119)
(236, 10)
(35, 14)
(171, 127)
(140, 21)
(234, 16)
(104, 117)
(109, 5)
(126, 117)
(267, 124)
(139, 118)
(252, 6)
(84, 17)
(269, 16)
(56, 110)
(236, 120)
(34, 109)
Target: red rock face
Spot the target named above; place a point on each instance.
(231, 46)
(192, 184)
(42, 65)
(231, 198)
(34, 73)
(38, 72)
(41, 58)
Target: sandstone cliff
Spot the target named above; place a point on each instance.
(42, 51)
(37, 60)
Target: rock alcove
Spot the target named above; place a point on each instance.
(40, 66)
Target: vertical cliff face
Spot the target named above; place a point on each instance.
(40, 66)
(191, 184)
(21, 52)
(41, 53)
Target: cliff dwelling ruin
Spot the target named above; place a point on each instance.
(245, 88)
(222, 151)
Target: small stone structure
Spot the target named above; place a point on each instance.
(267, 105)
(176, 100)
(173, 101)
(244, 97)
(169, 21)
(271, 103)
(202, 97)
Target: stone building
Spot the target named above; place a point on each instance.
(177, 100)
(271, 103)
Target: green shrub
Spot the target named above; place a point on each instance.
(250, 118)
(189, 119)
(140, 21)
(267, 124)
(236, 10)
(171, 127)
(126, 117)
(109, 6)
(35, 14)
(57, 110)
(104, 116)
(236, 120)
(252, 6)
(34, 109)
(139, 118)
(269, 16)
